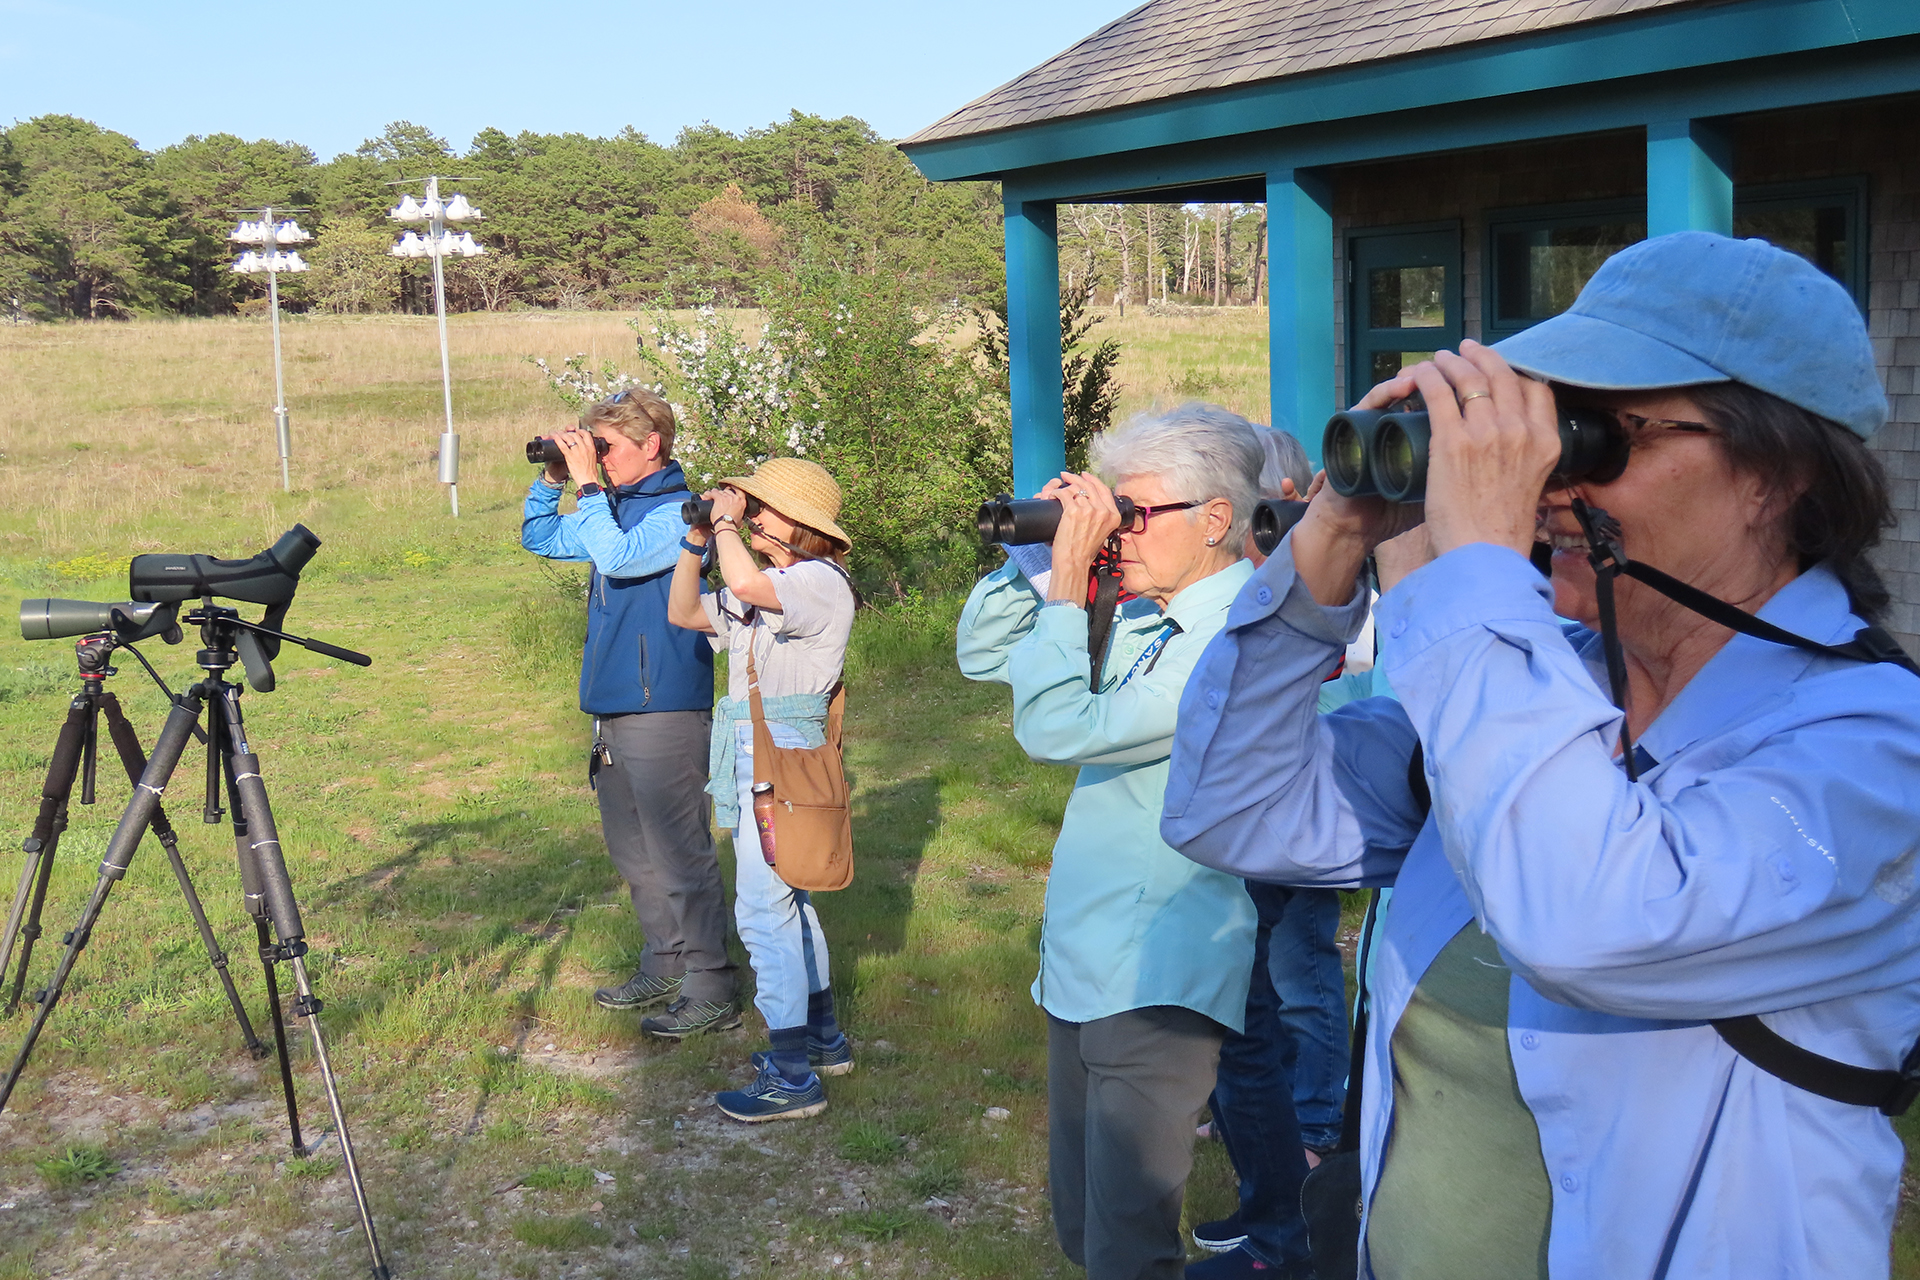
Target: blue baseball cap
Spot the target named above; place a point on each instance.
(1694, 307)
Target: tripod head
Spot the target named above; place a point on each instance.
(229, 638)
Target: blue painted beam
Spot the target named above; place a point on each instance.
(1301, 333)
(1033, 344)
(1835, 76)
(1661, 43)
(1689, 177)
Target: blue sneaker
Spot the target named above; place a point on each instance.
(773, 1097)
(835, 1059)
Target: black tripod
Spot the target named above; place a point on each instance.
(75, 754)
(263, 871)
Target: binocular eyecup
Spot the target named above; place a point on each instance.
(1273, 519)
(1379, 452)
(1024, 521)
(547, 450)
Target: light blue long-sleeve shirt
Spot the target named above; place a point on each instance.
(592, 534)
(1129, 922)
(1766, 865)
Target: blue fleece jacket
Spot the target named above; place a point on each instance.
(635, 660)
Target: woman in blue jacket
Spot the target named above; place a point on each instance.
(1547, 1091)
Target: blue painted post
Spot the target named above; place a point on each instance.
(1301, 334)
(1689, 178)
(1033, 345)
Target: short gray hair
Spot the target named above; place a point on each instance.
(1286, 460)
(1198, 451)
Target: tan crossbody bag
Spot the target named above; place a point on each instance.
(812, 822)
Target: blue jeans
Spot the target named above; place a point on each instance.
(777, 923)
(1282, 1081)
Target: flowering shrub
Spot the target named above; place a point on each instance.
(741, 402)
(579, 386)
(846, 372)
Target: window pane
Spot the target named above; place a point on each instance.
(1385, 364)
(1407, 298)
(1538, 271)
(1817, 233)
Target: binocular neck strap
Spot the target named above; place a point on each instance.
(1609, 560)
(1106, 600)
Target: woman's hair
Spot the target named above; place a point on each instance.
(818, 545)
(635, 414)
(1199, 452)
(1844, 506)
(1286, 460)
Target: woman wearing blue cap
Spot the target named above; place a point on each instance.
(1580, 936)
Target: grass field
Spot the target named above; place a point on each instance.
(447, 855)
(457, 896)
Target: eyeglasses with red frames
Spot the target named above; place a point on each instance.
(1142, 513)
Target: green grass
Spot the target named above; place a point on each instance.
(75, 1167)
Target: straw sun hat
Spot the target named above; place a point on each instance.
(801, 491)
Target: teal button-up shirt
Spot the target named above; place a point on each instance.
(1129, 922)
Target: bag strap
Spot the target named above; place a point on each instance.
(1891, 1092)
(1357, 1044)
(762, 736)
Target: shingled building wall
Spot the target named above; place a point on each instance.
(1846, 141)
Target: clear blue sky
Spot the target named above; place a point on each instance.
(333, 74)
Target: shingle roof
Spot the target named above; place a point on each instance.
(1170, 47)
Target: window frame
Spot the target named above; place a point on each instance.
(1359, 335)
(1539, 218)
(1850, 191)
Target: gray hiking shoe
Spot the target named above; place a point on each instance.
(686, 1017)
(641, 991)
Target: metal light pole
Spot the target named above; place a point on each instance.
(440, 243)
(270, 236)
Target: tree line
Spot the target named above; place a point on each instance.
(94, 227)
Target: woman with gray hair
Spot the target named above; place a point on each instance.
(1145, 956)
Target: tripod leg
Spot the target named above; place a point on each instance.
(120, 849)
(276, 889)
(47, 827)
(256, 905)
(128, 744)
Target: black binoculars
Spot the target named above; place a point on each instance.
(546, 449)
(1384, 452)
(1022, 521)
(1273, 519)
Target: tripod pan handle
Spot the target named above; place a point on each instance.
(335, 651)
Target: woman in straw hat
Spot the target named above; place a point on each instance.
(792, 616)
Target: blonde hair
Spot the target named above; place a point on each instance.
(635, 414)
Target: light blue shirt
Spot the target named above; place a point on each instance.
(1129, 922)
(1765, 865)
(591, 533)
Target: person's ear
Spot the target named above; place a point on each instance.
(1219, 519)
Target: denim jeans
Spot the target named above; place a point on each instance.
(1283, 1080)
(777, 923)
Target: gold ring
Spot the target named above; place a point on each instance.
(1474, 395)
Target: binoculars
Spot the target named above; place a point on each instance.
(1384, 452)
(1022, 521)
(545, 450)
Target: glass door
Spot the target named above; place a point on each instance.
(1403, 300)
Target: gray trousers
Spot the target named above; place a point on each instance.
(1123, 1096)
(655, 815)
